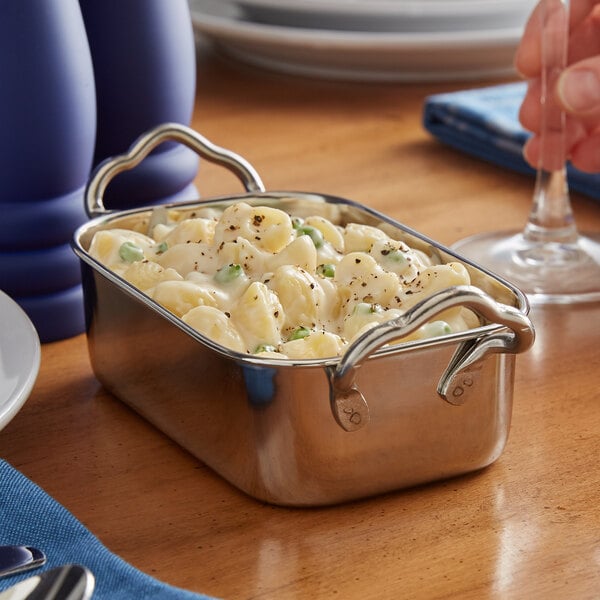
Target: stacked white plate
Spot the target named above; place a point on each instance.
(19, 358)
(368, 40)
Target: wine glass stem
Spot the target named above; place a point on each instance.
(551, 217)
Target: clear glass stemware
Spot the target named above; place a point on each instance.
(549, 260)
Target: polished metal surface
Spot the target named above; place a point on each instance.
(267, 426)
(320, 431)
(16, 559)
(109, 168)
(349, 406)
(69, 582)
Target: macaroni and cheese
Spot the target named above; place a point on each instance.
(257, 280)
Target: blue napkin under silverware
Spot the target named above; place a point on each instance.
(484, 123)
(31, 517)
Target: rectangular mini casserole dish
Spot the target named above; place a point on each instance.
(317, 431)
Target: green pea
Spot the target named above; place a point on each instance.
(228, 273)
(300, 333)
(436, 328)
(297, 222)
(364, 308)
(130, 253)
(315, 235)
(395, 256)
(326, 270)
(264, 348)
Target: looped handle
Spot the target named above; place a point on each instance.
(109, 168)
(518, 339)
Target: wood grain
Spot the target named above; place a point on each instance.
(526, 527)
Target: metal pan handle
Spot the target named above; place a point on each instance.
(109, 168)
(348, 404)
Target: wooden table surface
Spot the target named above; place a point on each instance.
(528, 526)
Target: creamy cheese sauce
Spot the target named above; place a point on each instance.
(257, 280)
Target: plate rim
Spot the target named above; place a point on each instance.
(211, 24)
(31, 360)
(387, 8)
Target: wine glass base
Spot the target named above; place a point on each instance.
(548, 273)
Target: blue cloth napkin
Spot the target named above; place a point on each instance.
(484, 122)
(29, 516)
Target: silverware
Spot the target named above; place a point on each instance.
(15, 559)
(69, 582)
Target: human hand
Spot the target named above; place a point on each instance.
(576, 90)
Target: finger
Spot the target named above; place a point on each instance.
(528, 59)
(530, 111)
(584, 40)
(578, 89)
(557, 150)
(586, 154)
(580, 9)
(553, 157)
(532, 107)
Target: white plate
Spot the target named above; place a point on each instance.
(359, 56)
(390, 15)
(19, 358)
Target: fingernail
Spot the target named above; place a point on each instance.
(527, 152)
(579, 90)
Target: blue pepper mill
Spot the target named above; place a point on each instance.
(47, 133)
(80, 81)
(144, 59)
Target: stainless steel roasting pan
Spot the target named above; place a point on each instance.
(313, 432)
